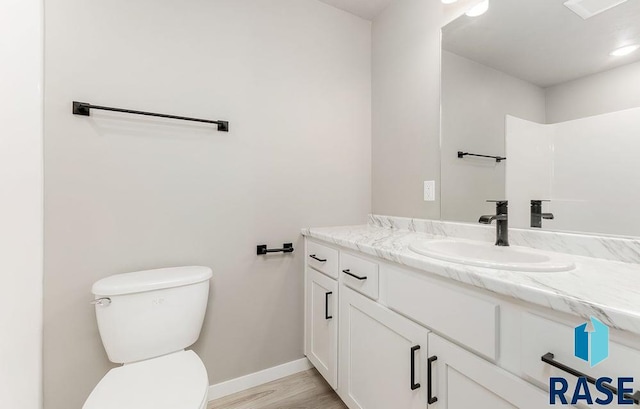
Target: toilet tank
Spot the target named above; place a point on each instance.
(151, 313)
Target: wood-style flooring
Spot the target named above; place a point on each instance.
(305, 390)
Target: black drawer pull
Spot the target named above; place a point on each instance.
(549, 359)
(348, 272)
(430, 398)
(322, 260)
(414, 385)
(326, 306)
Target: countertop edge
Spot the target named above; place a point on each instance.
(485, 279)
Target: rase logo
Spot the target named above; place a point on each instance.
(591, 344)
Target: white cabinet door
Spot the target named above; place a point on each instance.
(382, 356)
(462, 380)
(321, 344)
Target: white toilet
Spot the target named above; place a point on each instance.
(146, 320)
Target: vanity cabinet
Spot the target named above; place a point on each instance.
(390, 336)
(388, 361)
(462, 380)
(470, 320)
(382, 356)
(321, 322)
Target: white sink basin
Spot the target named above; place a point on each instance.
(487, 255)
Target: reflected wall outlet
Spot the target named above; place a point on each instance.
(430, 191)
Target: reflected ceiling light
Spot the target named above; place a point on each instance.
(449, 1)
(479, 9)
(622, 51)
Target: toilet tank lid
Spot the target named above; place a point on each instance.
(150, 280)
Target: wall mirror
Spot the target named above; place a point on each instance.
(553, 86)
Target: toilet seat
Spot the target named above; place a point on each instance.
(175, 381)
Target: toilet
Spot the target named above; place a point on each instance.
(146, 320)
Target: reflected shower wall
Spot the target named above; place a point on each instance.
(589, 168)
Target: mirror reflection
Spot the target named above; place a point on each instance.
(547, 93)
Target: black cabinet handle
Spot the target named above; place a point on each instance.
(348, 272)
(322, 260)
(430, 398)
(326, 306)
(549, 359)
(414, 385)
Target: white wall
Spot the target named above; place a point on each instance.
(475, 101)
(125, 193)
(529, 168)
(608, 91)
(594, 183)
(406, 104)
(21, 204)
(406, 107)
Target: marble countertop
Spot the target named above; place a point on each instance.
(608, 290)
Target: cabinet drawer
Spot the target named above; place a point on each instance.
(322, 258)
(470, 320)
(541, 336)
(359, 274)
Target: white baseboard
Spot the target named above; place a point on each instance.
(232, 386)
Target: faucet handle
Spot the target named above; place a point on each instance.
(501, 206)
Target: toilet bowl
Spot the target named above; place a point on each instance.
(178, 380)
(146, 320)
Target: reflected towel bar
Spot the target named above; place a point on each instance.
(497, 158)
(84, 109)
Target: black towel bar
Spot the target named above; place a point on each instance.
(497, 158)
(84, 109)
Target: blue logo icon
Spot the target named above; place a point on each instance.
(592, 342)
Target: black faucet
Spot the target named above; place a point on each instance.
(537, 215)
(502, 222)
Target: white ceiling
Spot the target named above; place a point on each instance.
(542, 41)
(367, 9)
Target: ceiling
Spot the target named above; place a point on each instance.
(543, 42)
(367, 9)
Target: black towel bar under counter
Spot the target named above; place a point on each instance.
(497, 158)
(263, 250)
(84, 109)
(549, 358)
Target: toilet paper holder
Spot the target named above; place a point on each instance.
(286, 248)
